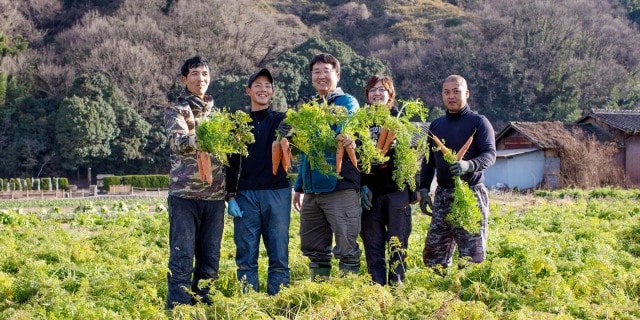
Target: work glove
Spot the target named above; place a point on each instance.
(366, 196)
(285, 130)
(461, 167)
(233, 209)
(425, 202)
(193, 142)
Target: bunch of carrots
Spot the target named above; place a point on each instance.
(464, 210)
(385, 138)
(280, 153)
(351, 152)
(221, 135)
(315, 133)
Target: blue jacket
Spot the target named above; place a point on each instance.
(312, 181)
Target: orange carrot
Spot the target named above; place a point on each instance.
(339, 155)
(351, 152)
(465, 147)
(208, 174)
(388, 141)
(382, 137)
(286, 153)
(204, 167)
(276, 156)
(200, 168)
(439, 143)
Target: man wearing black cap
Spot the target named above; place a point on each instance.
(260, 201)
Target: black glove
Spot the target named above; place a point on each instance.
(461, 167)
(425, 201)
(285, 130)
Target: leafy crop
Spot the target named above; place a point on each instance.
(464, 212)
(317, 124)
(407, 157)
(224, 134)
(314, 126)
(548, 257)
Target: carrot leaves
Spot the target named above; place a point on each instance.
(225, 133)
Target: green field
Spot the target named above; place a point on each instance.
(568, 254)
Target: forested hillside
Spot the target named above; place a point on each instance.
(84, 83)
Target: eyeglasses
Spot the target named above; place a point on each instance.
(323, 72)
(378, 89)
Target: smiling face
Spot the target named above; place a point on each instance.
(378, 94)
(455, 94)
(324, 78)
(260, 92)
(197, 80)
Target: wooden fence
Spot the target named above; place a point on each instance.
(120, 190)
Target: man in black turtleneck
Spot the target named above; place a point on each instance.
(453, 129)
(260, 201)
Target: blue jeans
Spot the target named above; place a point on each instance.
(267, 214)
(195, 231)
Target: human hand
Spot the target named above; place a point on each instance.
(193, 142)
(233, 209)
(366, 196)
(297, 201)
(285, 130)
(461, 167)
(426, 204)
(346, 141)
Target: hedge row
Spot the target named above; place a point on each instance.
(44, 184)
(137, 181)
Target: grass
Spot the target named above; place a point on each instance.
(568, 254)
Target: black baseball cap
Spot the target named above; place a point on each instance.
(263, 72)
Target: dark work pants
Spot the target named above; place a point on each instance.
(195, 231)
(326, 216)
(442, 237)
(390, 216)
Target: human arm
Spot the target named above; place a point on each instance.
(427, 173)
(180, 128)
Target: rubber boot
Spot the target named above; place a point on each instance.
(347, 268)
(320, 270)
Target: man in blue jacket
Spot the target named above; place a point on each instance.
(259, 200)
(330, 207)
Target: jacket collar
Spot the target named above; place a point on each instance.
(196, 103)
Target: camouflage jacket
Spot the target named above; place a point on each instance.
(180, 121)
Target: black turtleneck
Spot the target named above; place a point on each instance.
(454, 129)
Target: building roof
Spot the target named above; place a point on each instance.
(623, 120)
(424, 131)
(551, 134)
(510, 153)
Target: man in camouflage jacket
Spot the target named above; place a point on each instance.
(196, 192)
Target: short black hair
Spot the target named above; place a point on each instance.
(325, 58)
(193, 62)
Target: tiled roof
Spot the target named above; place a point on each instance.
(550, 135)
(424, 130)
(623, 120)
